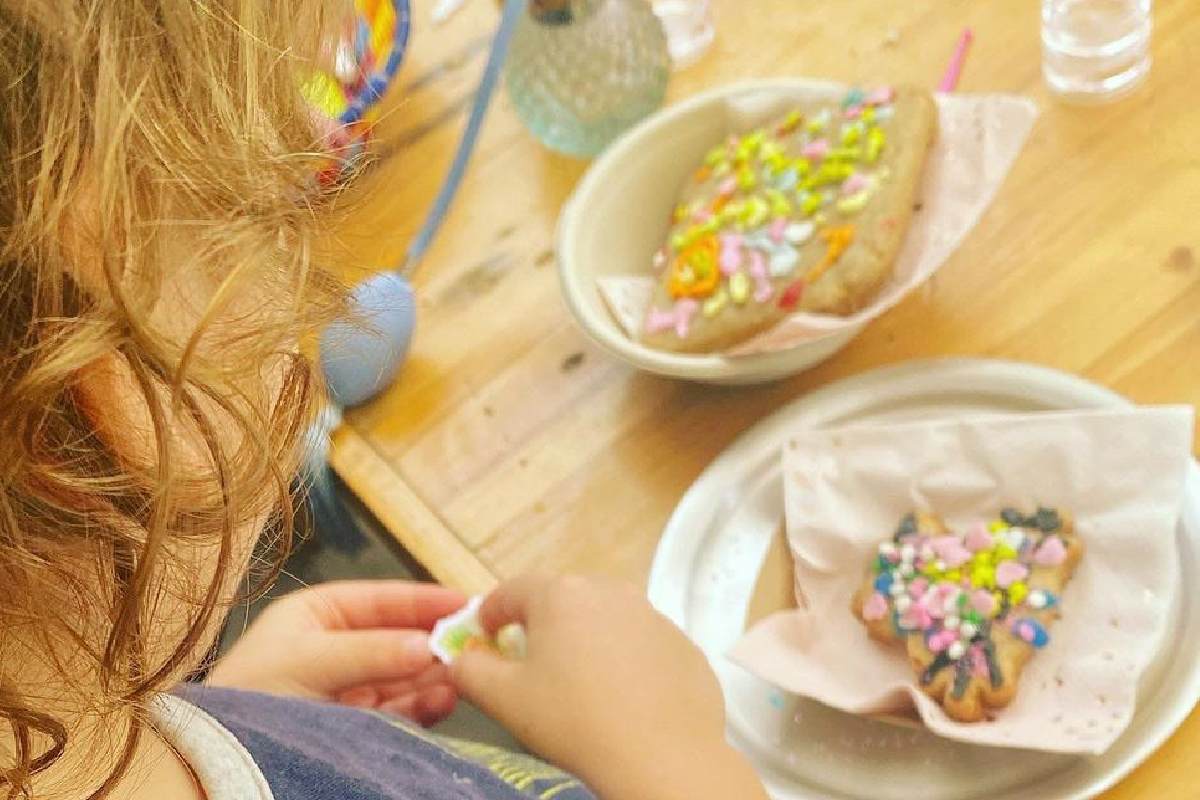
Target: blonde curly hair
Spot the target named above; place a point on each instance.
(157, 170)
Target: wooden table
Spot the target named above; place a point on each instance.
(510, 443)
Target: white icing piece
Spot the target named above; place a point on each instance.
(783, 262)
(968, 629)
(903, 603)
(799, 232)
(956, 650)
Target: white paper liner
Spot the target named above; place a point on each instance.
(1121, 473)
(979, 138)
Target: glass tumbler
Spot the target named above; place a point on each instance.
(1095, 50)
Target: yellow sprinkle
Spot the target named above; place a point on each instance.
(722, 169)
(1004, 552)
(811, 203)
(954, 575)
(845, 154)
(1017, 592)
(868, 114)
(790, 122)
(851, 135)
(713, 305)
(749, 145)
(678, 242)
(854, 203)
(680, 213)
(780, 207)
(984, 576)
(997, 525)
(876, 139)
(769, 151)
(716, 156)
(983, 558)
(731, 212)
(755, 213)
(739, 287)
(746, 178)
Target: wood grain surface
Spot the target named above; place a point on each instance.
(510, 443)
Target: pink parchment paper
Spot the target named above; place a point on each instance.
(1122, 473)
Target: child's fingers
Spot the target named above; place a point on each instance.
(435, 703)
(490, 681)
(359, 605)
(344, 660)
(511, 602)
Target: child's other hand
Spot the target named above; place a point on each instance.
(609, 689)
(360, 643)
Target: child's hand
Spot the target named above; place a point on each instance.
(361, 643)
(609, 690)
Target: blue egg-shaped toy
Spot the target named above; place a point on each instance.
(361, 354)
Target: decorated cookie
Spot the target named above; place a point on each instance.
(971, 607)
(807, 213)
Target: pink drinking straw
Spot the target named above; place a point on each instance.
(954, 68)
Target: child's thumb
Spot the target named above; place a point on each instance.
(490, 681)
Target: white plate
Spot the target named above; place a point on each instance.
(708, 561)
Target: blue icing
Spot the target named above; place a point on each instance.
(883, 583)
(1040, 637)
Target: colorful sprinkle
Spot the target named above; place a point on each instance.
(739, 288)
(763, 290)
(875, 608)
(715, 304)
(837, 239)
(731, 253)
(1009, 572)
(783, 261)
(791, 295)
(1050, 553)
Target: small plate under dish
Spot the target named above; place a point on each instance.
(708, 561)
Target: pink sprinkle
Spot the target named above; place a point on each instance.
(658, 321)
(702, 216)
(1051, 553)
(917, 588)
(727, 187)
(983, 602)
(855, 184)
(1009, 572)
(816, 149)
(731, 253)
(881, 96)
(942, 640)
(1026, 631)
(950, 549)
(978, 662)
(853, 112)
(916, 618)
(977, 537)
(762, 284)
(685, 309)
(875, 608)
(777, 229)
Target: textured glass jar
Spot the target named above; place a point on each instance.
(580, 72)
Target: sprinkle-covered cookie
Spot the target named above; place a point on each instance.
(807, 213)
(972, 606)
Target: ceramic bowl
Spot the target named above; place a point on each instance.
(617, 217)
